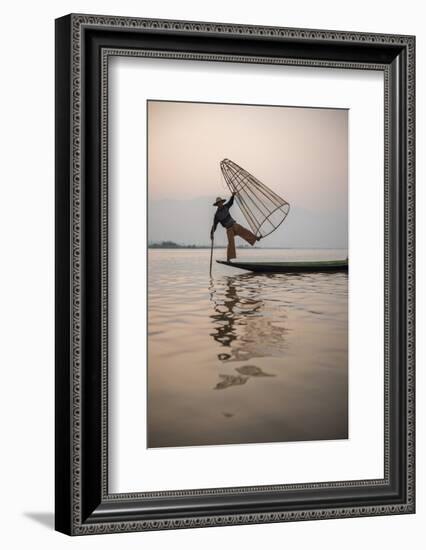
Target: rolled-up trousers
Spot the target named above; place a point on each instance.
(238, 230)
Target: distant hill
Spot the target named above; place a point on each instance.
(169, 244)
(173, 245)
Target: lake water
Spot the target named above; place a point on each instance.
(245, 358)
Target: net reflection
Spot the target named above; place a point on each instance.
(243, 326)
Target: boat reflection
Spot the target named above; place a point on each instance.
(243, 327)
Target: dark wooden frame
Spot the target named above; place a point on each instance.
(83, 45)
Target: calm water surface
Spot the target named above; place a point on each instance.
(245, 358)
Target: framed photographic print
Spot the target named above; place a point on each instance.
(234, 274)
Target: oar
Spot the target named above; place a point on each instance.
(211, 257)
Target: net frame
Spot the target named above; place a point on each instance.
(260, 206)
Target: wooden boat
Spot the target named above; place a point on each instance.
(290, 267)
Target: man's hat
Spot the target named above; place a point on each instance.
(218, 200)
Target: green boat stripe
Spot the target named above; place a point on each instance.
(339, 263)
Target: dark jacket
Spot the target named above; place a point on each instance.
(223, 216)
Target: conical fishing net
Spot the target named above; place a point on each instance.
(263, 209)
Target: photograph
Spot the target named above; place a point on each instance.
(248, 266)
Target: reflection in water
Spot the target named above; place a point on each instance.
(251, 370)
(276, 347)
(230, 380)
(241, 326)
(239, 320)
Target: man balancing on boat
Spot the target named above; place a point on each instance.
(264, 211)
(233, 229)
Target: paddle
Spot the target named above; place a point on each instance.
(211, 256)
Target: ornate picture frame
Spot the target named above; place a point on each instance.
(84, 45)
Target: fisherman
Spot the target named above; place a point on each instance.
(233, 228)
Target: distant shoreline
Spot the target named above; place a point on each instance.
(175, 246)
(188, 246)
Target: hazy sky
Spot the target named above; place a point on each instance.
(300, 153)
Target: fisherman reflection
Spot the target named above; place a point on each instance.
(232, 308)
(242, 327)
